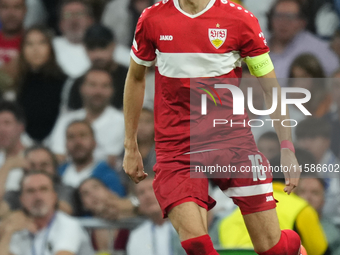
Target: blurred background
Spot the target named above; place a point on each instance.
(63, 66)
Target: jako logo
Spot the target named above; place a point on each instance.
(166, 38)
(238, 100)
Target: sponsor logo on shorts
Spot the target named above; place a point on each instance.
(269, 199)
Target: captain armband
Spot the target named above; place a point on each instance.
(259, 65)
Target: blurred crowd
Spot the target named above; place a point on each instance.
(63, 65)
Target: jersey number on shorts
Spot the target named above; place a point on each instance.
(257, 168)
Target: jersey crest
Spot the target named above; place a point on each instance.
(217, 36)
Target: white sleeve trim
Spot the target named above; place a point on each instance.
(139, 61)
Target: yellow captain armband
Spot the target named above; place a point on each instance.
(259, 65)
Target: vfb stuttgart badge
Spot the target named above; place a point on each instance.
(217, 36)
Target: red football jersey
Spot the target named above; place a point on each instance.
(187, 50)
(9, 48)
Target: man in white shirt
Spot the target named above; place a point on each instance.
(42, 229)
(107, 122)
(80, 146)
(75, 18)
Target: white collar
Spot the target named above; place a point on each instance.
(210, 4)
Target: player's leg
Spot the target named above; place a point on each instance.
(190, 222)
(253, 193)
(185, 201)
(263, 228)
(267, 238)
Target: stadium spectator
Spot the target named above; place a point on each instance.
(309, 74)
(312, 189)
(269, 145)
(293, 213)
(12, 126)
(39, 83)
(100, 44)
(156, 235)
(333, 117)
(322, 19)
(37, 158)
(121, 17)
(75, 18)
(80, 144)
(98, 200)
(314, 136)
(107, 122)
(12, 14)
(40, 227)
(290, 39)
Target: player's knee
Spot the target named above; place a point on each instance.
(186, 232)
(289, 244)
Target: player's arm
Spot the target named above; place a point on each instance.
(133, 102)
(268, 81)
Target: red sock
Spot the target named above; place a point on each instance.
(201, 245)
(289, 244)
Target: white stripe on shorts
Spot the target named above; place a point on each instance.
(248, 191)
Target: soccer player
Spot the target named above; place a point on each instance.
(202, 39)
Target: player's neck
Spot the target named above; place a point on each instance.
(193, 6)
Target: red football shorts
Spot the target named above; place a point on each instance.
(185, 178)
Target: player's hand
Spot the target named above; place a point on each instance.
(291, 170)
(133, 165)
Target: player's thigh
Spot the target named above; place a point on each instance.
(189, 220)
(252, 191)
(263, 228)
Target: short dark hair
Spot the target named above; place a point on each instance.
(15, 109)
(98, 36)
(85, 3)
(84, 122)
(309, 63)
(97, 69)
(270, 135)
(37, 147)
(302, 11)
(90, 179)
(31, 173)
(313, 127)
